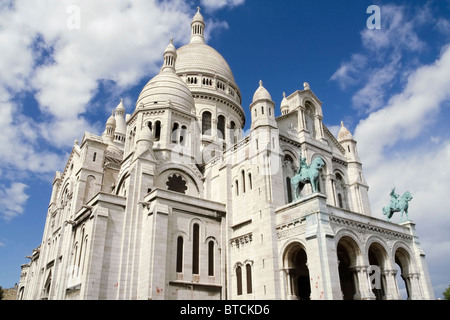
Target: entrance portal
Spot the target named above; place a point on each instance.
(298, 281)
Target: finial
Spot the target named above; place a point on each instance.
(171, 40)
(198, 9)
(260, 83)
(342, 124)
(284, 94)
(305, 85)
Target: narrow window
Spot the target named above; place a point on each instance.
(206, 123)
(289, 189)
(239, 280)
(243, 181)
(94, 157)
(221, 127)
(157, 130)
(175, 132)
(183, 135)
(237, 187)
(232, 132)
(250, 181)
(248, 269)
(180, 254)
(262, 110)
(195, 249)
(211, 258)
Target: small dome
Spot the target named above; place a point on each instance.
(167, 86)
(261, 93)
(344, 134)
(171, 48)
(198, 17)
(111, 121)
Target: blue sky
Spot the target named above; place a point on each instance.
(61, 76)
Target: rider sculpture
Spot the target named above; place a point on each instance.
(397, 204)
(307, 174)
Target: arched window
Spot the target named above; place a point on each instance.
(183, 135)
(206, 123)
(236, 184)
(248, 270)
(221, 127)
(243, 181)
(157, 130)
(239, 280)
(233, 138)
(250, 183)
(211, 258)
(175, 132)
(195, 249)
(289, 189)
(180, 243)
(94, 157)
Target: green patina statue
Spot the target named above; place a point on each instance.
(307, 174)
(397, 204)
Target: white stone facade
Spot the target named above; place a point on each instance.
(173, 202)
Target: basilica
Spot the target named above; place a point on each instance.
(173, 201)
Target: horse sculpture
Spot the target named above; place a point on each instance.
(307, 174)
(397, 205)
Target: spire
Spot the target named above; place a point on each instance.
(170, 56)
(198, 28)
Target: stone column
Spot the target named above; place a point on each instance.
(390, 285)
(365, 292)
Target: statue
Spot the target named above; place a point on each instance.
(397, 204)
(307, 174)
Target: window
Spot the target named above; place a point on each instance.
(195, 249)
(180, 243)
(233, 132)
(248, 270)
(243, 181)
(289, 189)
(175, 133)
(221, 127)
(211, 258)
(239, 280)
(176, 183)
(183, 135)
(250, 181)
(206, 123)
(94, 157)
(262, 110)
(236, 184)
(157, 130)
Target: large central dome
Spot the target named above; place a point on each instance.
(200, 57)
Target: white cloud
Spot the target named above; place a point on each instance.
(117, 40)
(378, 66)
(12, 200)
(219, 4)
(406, 113)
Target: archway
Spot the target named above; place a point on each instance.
(403, 260)
(377, 261)
(298, 283)
(348, 253)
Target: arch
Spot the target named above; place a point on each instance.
(297, 272)
(221, 127)
(341, 190)
(194, 184)
(310, 115)
(377, 256)
(157, 130)
(402, 258)
(238, 271)
(349, 257)
(206, 122)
